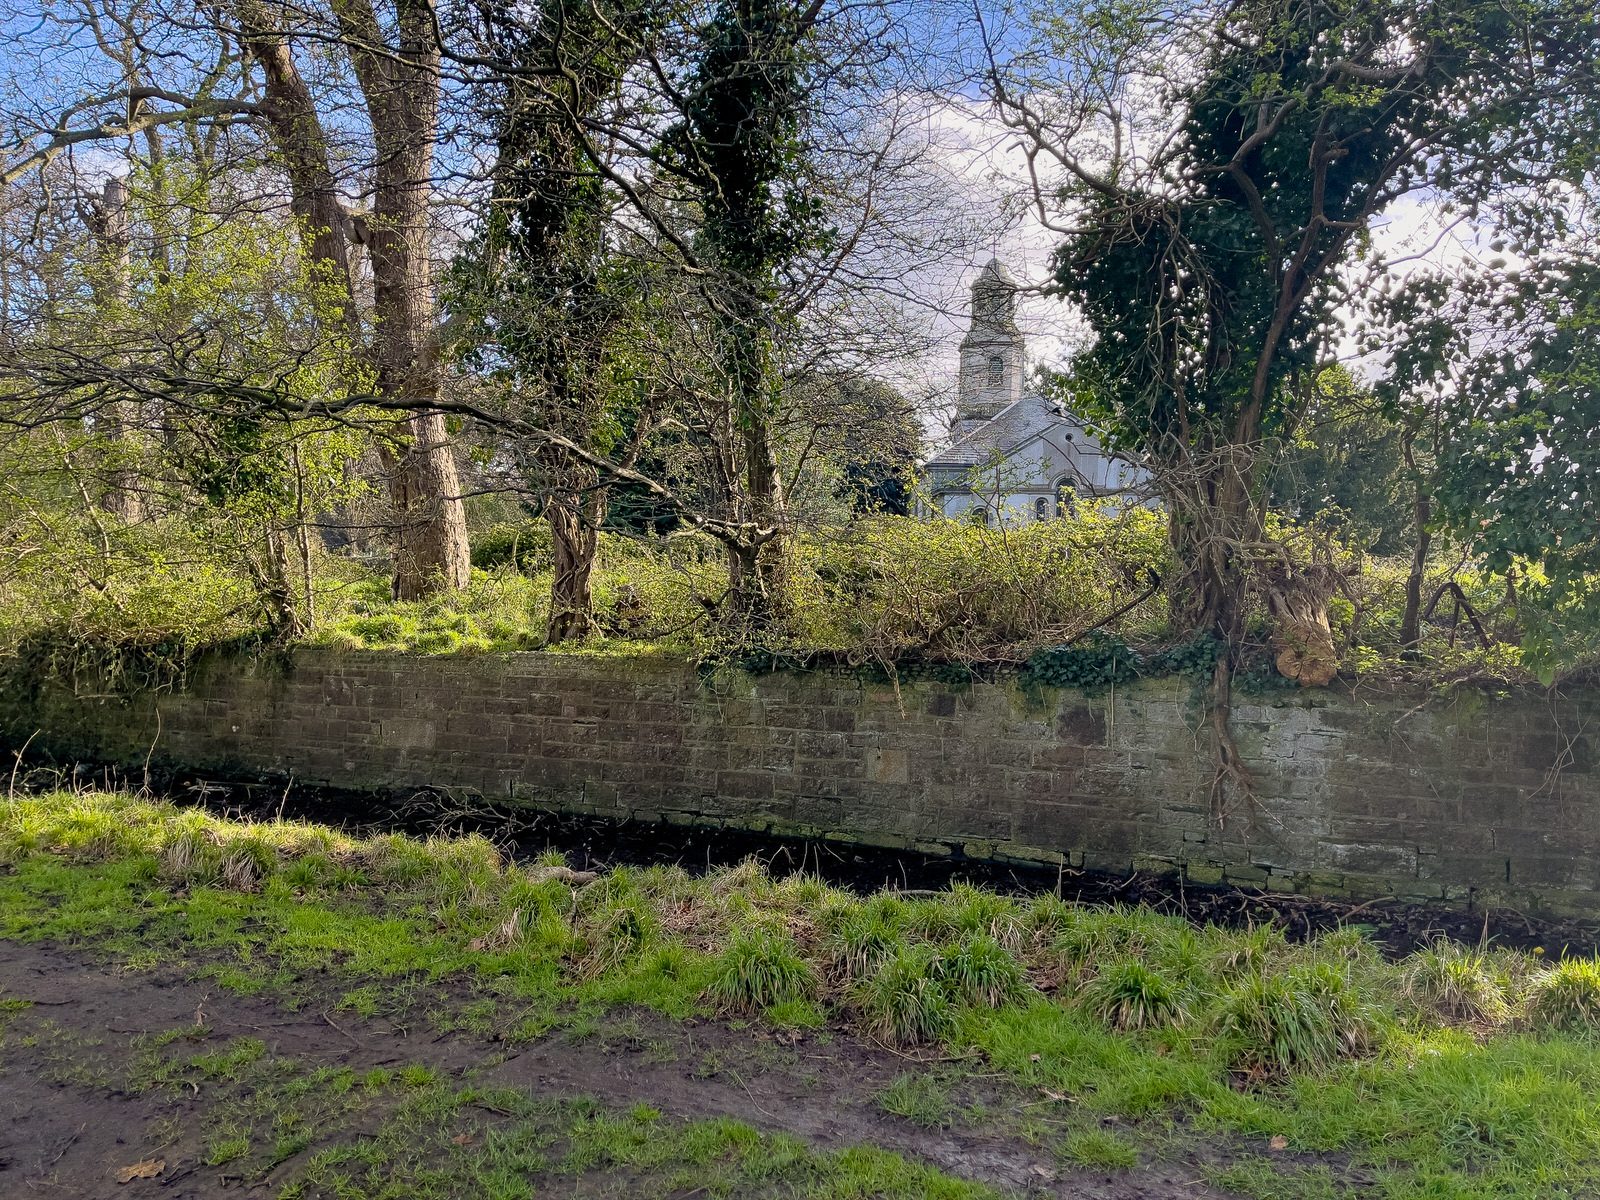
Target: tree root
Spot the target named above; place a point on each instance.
(1231, 768)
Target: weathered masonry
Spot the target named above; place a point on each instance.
(1469, 799)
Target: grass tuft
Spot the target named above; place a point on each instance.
(759, 970)
(905, 1002)
(1099, 1149)
(1457, 984)
(920, 1099)
(1567, 996)
(1129, 995)
(1305, 1019)
(979, 970)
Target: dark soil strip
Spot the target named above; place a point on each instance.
(68, 1139)
(598, 843)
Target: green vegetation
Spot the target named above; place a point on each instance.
(881, 592)
(1402, 1072)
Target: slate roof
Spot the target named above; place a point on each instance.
(1013, 426)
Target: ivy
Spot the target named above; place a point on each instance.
(1097, 661)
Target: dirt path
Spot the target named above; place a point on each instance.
(68, 1123)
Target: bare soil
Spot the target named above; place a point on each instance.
(67, 1128)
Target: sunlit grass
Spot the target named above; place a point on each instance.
(1419, 1074)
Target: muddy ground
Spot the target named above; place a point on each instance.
(83, 1097)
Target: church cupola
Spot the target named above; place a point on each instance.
(991, 353)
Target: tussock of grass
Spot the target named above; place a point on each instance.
(905, 1002)
(1567, 997)
(761, 970)
(1129, 995)
(1456, 984)
(1099, 1148)
(1398, 1067)
(1305, 1019)
(920, 1099)
(978, 970)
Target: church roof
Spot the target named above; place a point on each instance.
(1013, 426)
(996, 270)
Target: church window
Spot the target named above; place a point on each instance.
(997, 370)
(1066, 498)
(1041, 509)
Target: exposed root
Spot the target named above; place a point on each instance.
(1231, 769)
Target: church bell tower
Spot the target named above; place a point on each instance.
(991, 353)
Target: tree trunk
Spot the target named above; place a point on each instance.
(430, 552)
(401, 89)
(119, 420)
(575, 511)
(1212, 524)
(1421, 515)
(1302, 638)
(759, 579)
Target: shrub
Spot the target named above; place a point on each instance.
(1567, 996)
(1455, 983)
(979, 970)
(1130, 995)
(905, 1002)
(1306, 1018)
(760, 969)
(947, 588)
(524, 547)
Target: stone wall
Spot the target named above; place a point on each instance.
(1468, 799)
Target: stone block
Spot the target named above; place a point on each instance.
(888, 766)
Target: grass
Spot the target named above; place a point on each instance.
(1099, 1148)
(1567, 996)
(761, 970)
(1404, 1073)
(920, 1098)
(1126, 994)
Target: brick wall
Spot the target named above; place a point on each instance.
(1466, 799)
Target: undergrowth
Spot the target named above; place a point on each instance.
(1452, 1073)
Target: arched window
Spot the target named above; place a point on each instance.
(1066, 498)
(1041, 509)
(997, 370)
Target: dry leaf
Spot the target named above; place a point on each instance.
(462, 1139)
(1033, 1058)
(1279, 1142)
(147, 1168)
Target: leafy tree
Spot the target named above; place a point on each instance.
(1220, 167)
(1346, 459)
(1509, 366)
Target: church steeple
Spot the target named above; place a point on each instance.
(991, 353)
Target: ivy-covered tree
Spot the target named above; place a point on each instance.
(1219, 170)
(543, 290)
(740, 148)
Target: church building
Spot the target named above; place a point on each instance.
(1013, 457)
